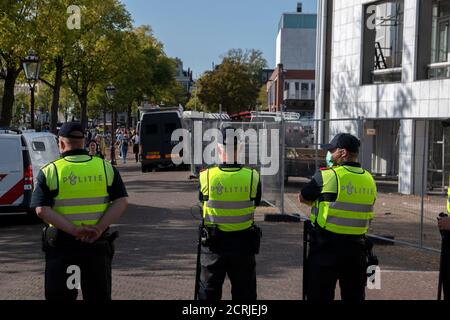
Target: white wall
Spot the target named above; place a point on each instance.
(350, 99)
(296, 49)
(407, 99)
(278, 50)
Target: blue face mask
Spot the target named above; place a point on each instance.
(329, 160)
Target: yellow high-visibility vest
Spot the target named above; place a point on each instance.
(448, 200)
(230, 194)
(81, 182)
(352, 210)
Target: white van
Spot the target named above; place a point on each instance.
(22, 156)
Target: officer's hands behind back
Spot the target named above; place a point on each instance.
(87, 234)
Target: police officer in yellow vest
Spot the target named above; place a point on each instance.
(229, 193)
(342, 197)
(444, 227)
(79, 197)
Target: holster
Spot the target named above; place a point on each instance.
(219, 241)
(111, 236)
(49, 237)
(209, 236)
(255, 237)
(372, 260)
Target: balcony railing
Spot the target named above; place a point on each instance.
(439, 70)
(387, 75)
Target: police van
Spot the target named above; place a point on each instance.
(23, 154)
(155, 129)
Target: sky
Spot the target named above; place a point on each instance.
(199, 32)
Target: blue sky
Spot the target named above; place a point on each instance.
(200, 31)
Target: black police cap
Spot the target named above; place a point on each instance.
(72, 130)
(343, 141)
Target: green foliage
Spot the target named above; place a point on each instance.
(234, 84)
(106, 50)
(262, 99)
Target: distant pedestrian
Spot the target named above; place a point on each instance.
(94, 149)
(124, 143)
(136, 141)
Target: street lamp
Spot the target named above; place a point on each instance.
(32, 67)
(110, 94)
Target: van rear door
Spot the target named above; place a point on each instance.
(43, 150)
(150, 137)
(169, 123)
(11, 170)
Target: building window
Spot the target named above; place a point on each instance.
(383, 42)
(297, 90)
(440, 50)
(313, 91)
(304, 91)
(433, 52)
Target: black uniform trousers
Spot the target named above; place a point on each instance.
(445, 265)
(94, 262)
(334, 258)
(240, 268)
(231, 254)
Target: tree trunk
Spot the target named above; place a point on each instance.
(83, 102)
(129, 115)
(8, 96)
(59, 65)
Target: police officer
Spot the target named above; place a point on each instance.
(229, 193)
(79, 197)
(444, 227)
(342, 197)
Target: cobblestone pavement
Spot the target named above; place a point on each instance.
(155, 254)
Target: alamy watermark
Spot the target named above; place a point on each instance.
(74, 280)
(74, 20)
(372, 17)
(374, 278)
(207, 148)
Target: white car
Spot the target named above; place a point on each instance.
(23, 154)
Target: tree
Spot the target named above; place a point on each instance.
(194, 103)
(55, 43)
(146, 71)
(262, 99)
(98, 48)
(230, 85)
(16, 19)
(253, 59)
(235, 84)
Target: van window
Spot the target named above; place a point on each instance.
(38, 146)
(14, 155)
(151, 129)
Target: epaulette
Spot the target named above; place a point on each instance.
(324, 168)
(48, 164)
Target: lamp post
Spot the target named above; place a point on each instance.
(22, 109)
(110, 94)
(32, 67)
(41, 117)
